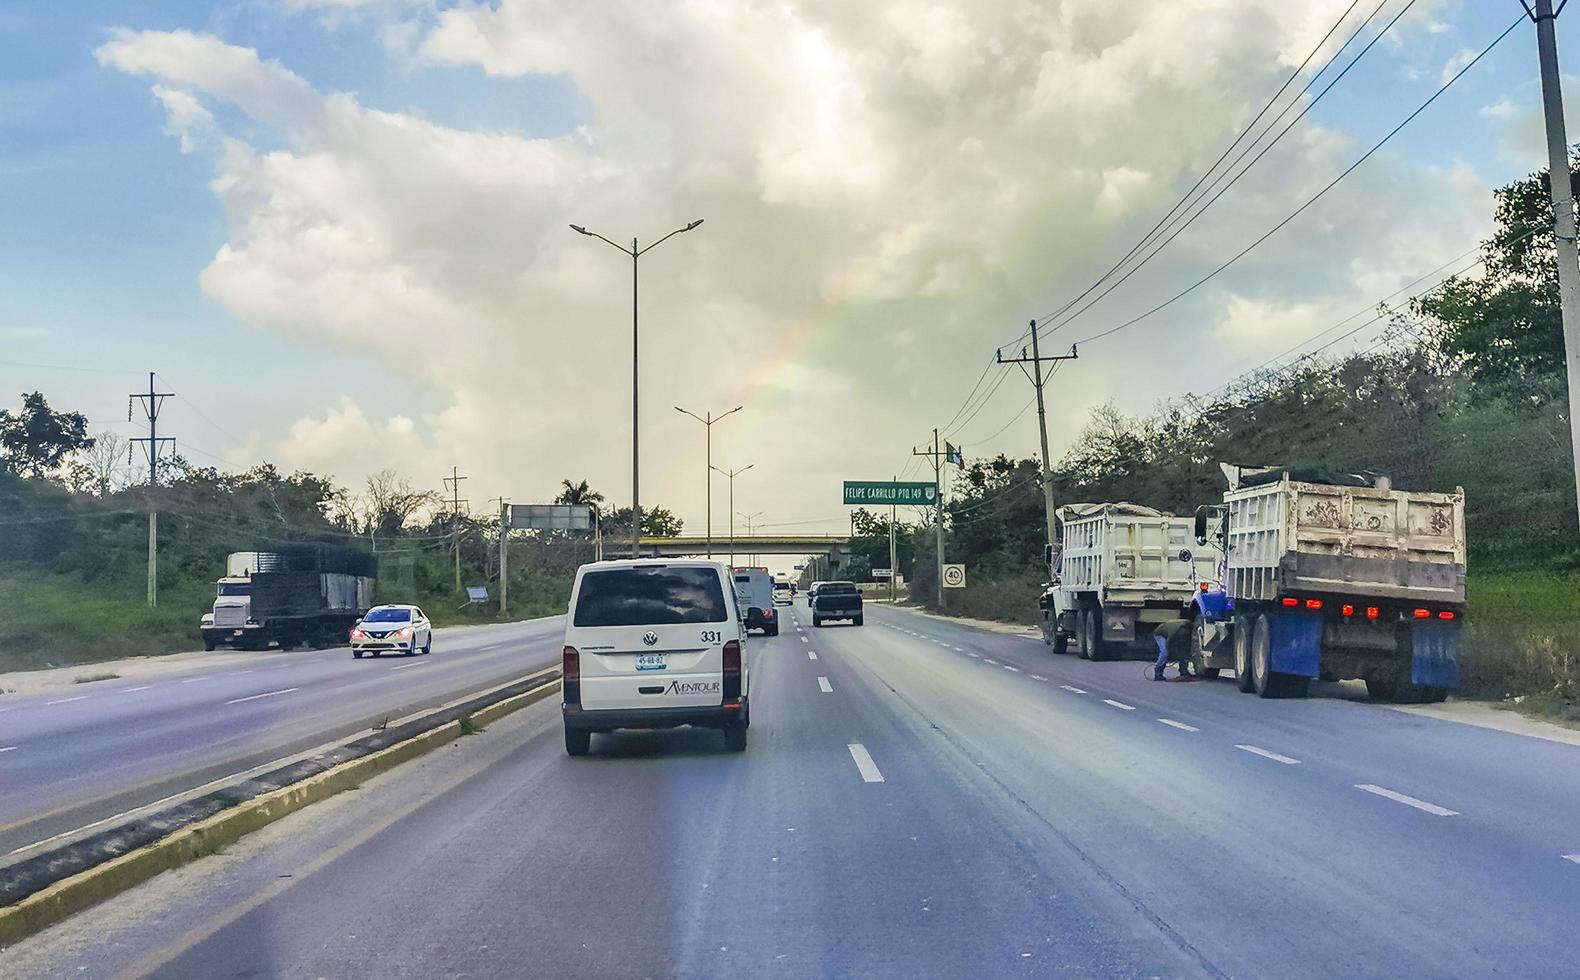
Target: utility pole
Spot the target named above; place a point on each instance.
(894, 561)
(504, 557)
(152, 402)
(936, 455)
(1560, 186)
(1038, 379)
(708, 425)
(732, 474)
(751, 529)
(636, 475)
(453, 481)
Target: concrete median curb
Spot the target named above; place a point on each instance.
(58, 883)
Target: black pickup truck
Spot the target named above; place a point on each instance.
(836, 600)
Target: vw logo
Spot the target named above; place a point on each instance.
(650, 638)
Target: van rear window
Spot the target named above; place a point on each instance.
(650, 596)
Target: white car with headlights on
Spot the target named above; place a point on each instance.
(392, 629)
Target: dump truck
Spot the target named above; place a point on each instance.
(1123, 570)
(1334, 576)
(292, 594)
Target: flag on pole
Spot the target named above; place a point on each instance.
(953, 455)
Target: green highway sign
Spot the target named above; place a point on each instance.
(863, 492)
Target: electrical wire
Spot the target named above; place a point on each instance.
(1314, 199)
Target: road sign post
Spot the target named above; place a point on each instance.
(954, 576)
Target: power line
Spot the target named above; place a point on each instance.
(1318, 196)
(1185, 202)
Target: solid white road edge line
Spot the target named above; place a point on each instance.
(1179, 724)
(254, 697)
(1432, 808)
(1122, 706)
(824, 685)
(1286, 760)
(1072, 690)
(864, 764)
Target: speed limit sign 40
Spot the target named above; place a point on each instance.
(954, 576)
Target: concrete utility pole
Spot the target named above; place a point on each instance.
(938, 511)
(152, 401)
(453, 481)
(751, 530)
(732, 474)
(1038, 379)
(894, 561)
(1560, 184)
(504, 557)
(708, 425)
(636, 474)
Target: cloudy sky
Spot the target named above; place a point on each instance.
(338, 228)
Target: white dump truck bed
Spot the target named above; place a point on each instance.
(1288, 536)
(1126, 553)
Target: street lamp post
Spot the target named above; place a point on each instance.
(636, 483)
(732, 474)
(751, 528)
(708, 424)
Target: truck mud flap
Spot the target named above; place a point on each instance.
(1434, 654)
(1296, 643)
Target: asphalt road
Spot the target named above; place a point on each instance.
(919, 799)
(72, 757)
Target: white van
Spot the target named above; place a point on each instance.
(654, 643)
(754, 594)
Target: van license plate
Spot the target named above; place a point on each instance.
(650, 661)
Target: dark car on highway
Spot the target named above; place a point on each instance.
(836, 600)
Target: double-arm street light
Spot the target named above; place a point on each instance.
(636, 483)
(708, 423)
(732, 474)
(751, 527)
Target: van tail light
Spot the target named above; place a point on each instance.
(571, 675)
(1313, 603)
(1291, 601)
(768, 613)
(1372, 612)
(1423, 614)
(732, 671)
(1446, 614)
(1347, 609)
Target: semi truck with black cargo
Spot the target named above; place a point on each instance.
(1333, 576)
(293, 594)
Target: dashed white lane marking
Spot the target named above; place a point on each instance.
(1038, 677)
(974, 656)
(1432, 808)
(805, 640)
(811, 654)
(1179, 724)
(1286, 760)
(1572, 857)
(194, 680)
(238, 673)
(990, 660)
(1122, 706)
(80, 697)
(960, 649)
(1008, 667)
(868, 768)
(8, 748)
(414, 663)
(269, 694)
(133, 690)
(1072, 690)
(824, 686)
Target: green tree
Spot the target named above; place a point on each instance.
(1506, 323)
(580, 492)
(35, 441)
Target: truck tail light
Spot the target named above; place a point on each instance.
(1313, 603)
(1445, 614)
(1372, 612)
(1347, 609)
(571, 675)
(732, 671)
(1423, 614)
(1291, 601)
